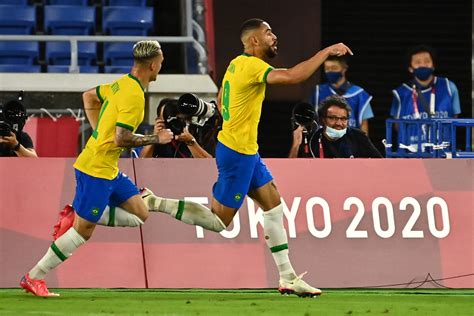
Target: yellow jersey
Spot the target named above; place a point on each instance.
(123, 104)
(243, 91)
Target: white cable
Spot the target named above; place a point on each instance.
(49, 114)
(384, 142)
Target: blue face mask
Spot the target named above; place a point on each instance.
(335, 133)
(333, 76)
(423, 73)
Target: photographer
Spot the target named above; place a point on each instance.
(13, 141)
(334, 139)
(184, 123)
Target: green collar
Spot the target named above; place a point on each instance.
(136, 79)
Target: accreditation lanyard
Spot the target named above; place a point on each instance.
(416, 112)
(321, 151)
(306, 145)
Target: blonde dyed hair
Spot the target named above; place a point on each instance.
(145, 50)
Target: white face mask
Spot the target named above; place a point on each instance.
(335, 133)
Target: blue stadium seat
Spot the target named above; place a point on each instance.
(17, 19)
(20, 68)
(65, 69)
(59, 53)
(19, 53)
(117, 69)
(68, 2)
(127, 20)
(14, 2)
(118, 54)
(69, 20)
(141, 3)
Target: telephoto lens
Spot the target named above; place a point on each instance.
(304, 114)
(14, 114)
(190, 105)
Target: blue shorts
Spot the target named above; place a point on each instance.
(238, 174)
(94, 194)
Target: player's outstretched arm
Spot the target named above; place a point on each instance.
(126, 138)
(305, 69)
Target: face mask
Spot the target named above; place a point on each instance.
(333, 76)
(423, 73)
(335, 133)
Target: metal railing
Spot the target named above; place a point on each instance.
(74, 39)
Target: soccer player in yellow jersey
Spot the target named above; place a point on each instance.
(104, 195)
(241, 171)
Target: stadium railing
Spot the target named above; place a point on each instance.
(190, 27)
(431, 138)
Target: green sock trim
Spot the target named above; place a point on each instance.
(279, 248)
(180, 212)
(58, 252)
(111, 217)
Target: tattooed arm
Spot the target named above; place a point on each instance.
(126, 138)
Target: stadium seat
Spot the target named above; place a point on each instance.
(20, 68)
(65, 69)
(141, 3)
(127, 20)
(59, 53)
(18, 53)
(14, 2)
(68, 2)
(69, 20)
(117, 69)
(118, 54)
(17, 19)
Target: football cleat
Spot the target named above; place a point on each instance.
(298, 287)
(66, 219)
(36, 287)
(145, 192)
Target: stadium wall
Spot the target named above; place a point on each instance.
(352, 223)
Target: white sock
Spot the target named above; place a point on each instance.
(186, 211)
(117, 216)
(60, 250)
(277, 241)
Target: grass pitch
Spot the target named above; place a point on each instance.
(238, 302)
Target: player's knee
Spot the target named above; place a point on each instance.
(143, 215)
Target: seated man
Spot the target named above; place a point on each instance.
(13, 141)
(184, 145)
(334, 139)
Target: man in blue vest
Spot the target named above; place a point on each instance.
(425, 95)
(335, 69)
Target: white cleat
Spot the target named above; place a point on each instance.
(298, 287)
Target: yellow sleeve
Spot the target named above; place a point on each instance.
(102, 92)
(129, 112)
(260, 70)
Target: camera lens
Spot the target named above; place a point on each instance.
(175, 125)
(304, 114)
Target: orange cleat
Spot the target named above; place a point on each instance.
(66, 219)
(36, 287)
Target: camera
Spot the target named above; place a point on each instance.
(12, 117)
(198, 110)
(170, 115)
(304, 114)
